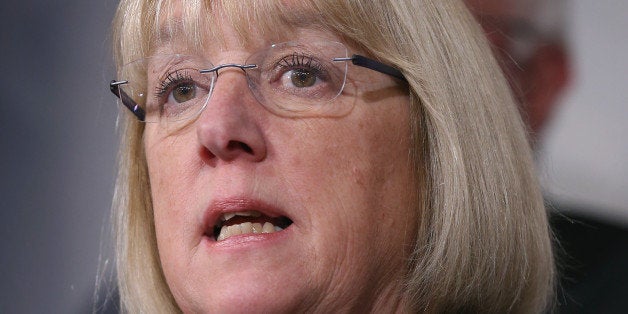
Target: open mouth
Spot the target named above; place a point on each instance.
(247, 222)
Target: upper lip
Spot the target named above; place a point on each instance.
(221, 206)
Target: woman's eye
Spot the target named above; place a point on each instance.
(302, 78)
(178, 87)
(300, 71)
(183, 92)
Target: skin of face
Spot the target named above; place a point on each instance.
(344, 182)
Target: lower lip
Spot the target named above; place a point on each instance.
(249, 240)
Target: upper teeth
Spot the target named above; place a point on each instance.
(250, 213)
(244, 227)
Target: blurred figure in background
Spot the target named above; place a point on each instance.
(528, 39)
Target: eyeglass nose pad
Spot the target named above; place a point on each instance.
(212, 85)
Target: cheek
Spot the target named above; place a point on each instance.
(172, 192)
(166, 172)
(173, 163)
(173, 171)
(354, 178)
(365, 207)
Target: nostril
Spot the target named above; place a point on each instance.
(237, 145)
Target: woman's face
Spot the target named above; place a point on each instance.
(334, 194)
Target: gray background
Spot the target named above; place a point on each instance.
(57, 137)
(57, 133)
(584, 158)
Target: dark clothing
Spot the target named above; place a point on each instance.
(592, 259)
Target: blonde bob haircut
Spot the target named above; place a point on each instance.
(483, 242)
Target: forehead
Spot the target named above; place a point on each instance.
(232, 23)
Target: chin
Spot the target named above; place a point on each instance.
(249, 291)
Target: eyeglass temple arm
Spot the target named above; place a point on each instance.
(374, 65)
(127, 101)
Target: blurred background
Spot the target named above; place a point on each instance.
(584, 152)
(58, 141)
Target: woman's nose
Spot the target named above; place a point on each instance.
(229, 128)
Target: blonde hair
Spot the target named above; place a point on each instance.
(483, 242)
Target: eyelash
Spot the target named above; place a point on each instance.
(297, 60)
(173, 79)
